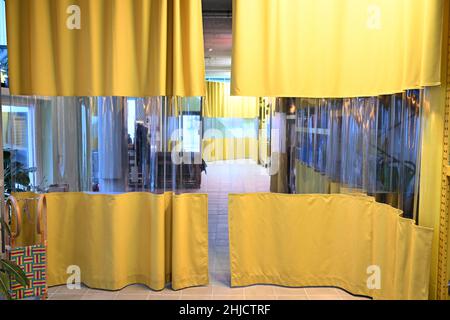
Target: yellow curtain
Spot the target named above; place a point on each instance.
(105, 47)
(344, 48)
(118, 240)
(219, 103)
(351, 242)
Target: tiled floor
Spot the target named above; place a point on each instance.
(222, 179)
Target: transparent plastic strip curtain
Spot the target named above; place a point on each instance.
(360, 145)
(102, 144)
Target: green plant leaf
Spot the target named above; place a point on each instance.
(16, 272)
(4, 286)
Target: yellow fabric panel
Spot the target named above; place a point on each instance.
(123, 48)
(190, 243)
(327, 240)
(345, 48)
(220, 149)
(118, 240)
(27, 202)
(219, 103)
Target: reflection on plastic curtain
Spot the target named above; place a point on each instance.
(103, 144)
(360, 145)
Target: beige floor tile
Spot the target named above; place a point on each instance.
(134, 289)
(92, 292)
(65, 290)
(321, 291)
(153, 292)
(167, 292)
(100, 296)
(163, 297)
(66, 296)
(324, 297)
(350, 297)
(195, 297)
(283, 291)
(260, 297)
(227, 291)
(197, 291)
(293, 297)
(226, 298)
(53, 290)
(132, 296)
(260, 290)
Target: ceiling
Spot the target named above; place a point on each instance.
(217, 26)
(216, 5)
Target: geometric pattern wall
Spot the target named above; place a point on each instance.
(32, 260)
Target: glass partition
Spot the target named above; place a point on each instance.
(102, 144)
(360, 145)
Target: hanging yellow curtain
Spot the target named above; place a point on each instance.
(105, 47)
(124, 239)
(335, 48)
(219, 103)
(351, 242)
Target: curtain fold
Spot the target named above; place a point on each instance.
(106, 47)
(119, 240)
(348, 48)
(220, 104)
(351, 242)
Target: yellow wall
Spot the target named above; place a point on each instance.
(432, 153)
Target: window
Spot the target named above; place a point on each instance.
(18, 140)
(191, 133)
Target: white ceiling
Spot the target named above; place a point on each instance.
(217, 25)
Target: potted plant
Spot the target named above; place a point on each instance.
(15, 178)
(9, 270)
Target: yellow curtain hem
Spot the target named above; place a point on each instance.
(236, 93)
(191, 281)
(299, 282)
(179, 284)
(113, 285)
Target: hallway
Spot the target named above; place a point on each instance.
(223, 178)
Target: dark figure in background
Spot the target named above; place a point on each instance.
(203, 166)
